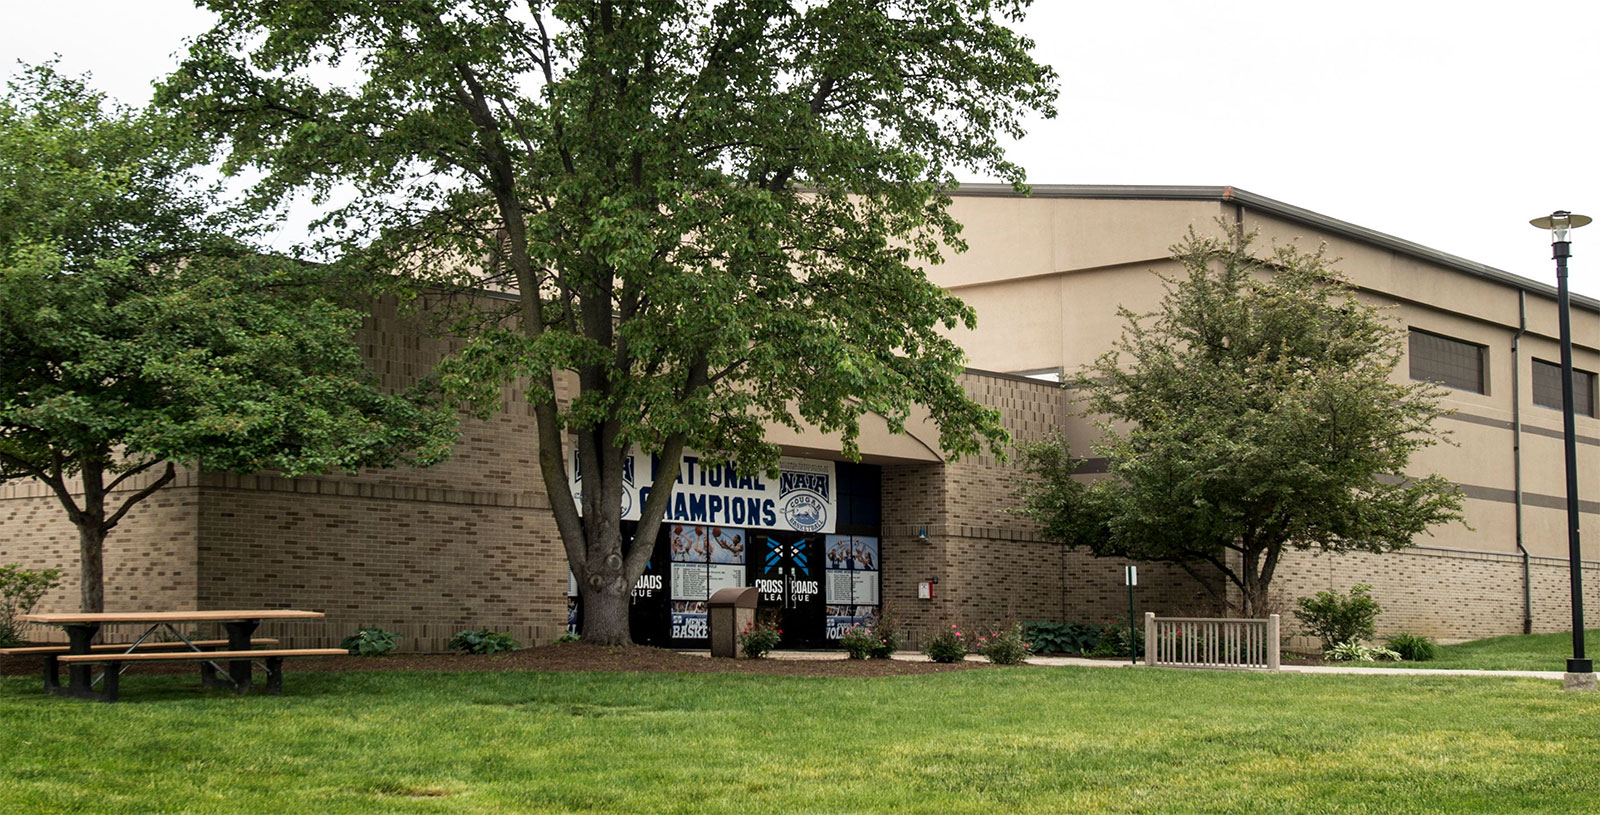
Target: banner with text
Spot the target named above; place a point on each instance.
(804, 498)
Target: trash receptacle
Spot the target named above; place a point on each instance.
(729, 612)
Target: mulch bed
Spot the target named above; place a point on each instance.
(574, 656)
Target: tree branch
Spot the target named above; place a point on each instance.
(51, 478)
(127, 474)
(165, 479)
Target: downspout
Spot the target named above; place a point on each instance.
(1516, 456)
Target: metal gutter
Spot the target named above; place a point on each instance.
(1288, 212)
(1516, 456)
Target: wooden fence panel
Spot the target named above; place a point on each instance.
(1211, 642)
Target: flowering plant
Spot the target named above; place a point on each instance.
(949, 645)
(862, 642)
(857, 641)
(877, 641)
(758, 638)
(1114, 640)
(1003, 647)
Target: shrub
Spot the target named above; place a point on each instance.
(859, 642)
(1113, 640)
(1061, 638)
(566, 637)
(887, 630)
(1356, 652)
(877, 641)
(949, 645)
(1005, 647)
(1336, 618)
(1414, 647)
(370, 642)
(21, 590)
(483, 641)
(758, 638)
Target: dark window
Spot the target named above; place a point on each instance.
(1547, 388)
(1449, 362)
(859, 508)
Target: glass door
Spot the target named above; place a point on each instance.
(788, 572)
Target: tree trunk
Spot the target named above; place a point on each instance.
(91, 571)
(605, 615)
(1249, 587)
(92, 534)
(606, 590)
(1257, 563)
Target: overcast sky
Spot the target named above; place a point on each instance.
(1449, 124)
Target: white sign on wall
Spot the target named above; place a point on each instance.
(804, 498)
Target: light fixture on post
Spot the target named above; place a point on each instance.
(1580, 669)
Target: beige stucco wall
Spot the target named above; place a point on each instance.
(1047, 275)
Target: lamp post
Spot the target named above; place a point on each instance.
(1580, 669)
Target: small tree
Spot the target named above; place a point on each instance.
(1259, 415)
(20, 590)
(138, 335)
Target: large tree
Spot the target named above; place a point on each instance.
(713, 214)
(138, 335)
(1254, 412)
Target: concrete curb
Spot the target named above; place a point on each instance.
(1081, 662)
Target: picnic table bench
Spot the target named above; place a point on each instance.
(238, 651)
(51, 653)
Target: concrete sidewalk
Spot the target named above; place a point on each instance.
(1081, 662)
(1307, 669)
(1289, 669)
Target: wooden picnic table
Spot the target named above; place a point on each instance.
(81, 629)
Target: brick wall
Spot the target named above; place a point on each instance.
(471, 542)
(992, 564)
(422, 565)
(994, 567)
(1443, 593)
(424, 553)
(149, 557)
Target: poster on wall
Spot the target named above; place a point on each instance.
(704, 560)
(727, 547)
(852, 582)
(804, 497)
(842, 618)
(689, 620)
(573, 623)
(688, 547)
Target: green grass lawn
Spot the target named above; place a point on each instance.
(1024, 739)
(1517, 652)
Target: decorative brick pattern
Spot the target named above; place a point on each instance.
(381, 562)
(425, 553)
(149, 558)
(1443, 593)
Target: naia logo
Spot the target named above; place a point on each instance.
(805, 512)
(803, 497)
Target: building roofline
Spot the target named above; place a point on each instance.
(1288, 212)
(971, 371)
